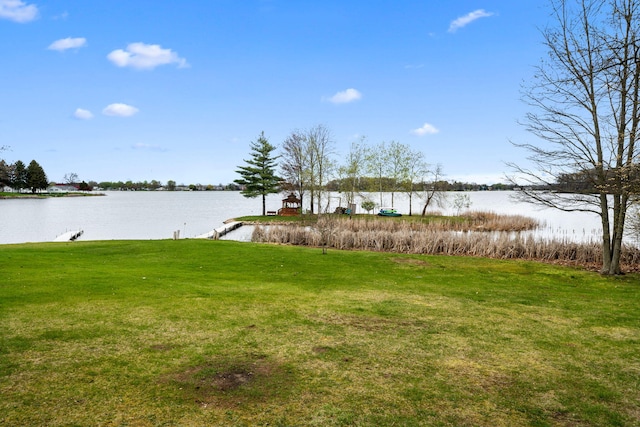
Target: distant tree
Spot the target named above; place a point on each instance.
(83, 186)
(19, 176)
(70, 178)
(4, 168)
(307, 163)
(368, 205)
(352, 171)
(36, 178)
(5, 173)
(433, 190)
(377, 168)
(416, 170)
(171, 185)
(399, 157)
(258, 176)
(321, 150)
(461, 201)
(295, 164)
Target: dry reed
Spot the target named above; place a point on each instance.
(443, 238)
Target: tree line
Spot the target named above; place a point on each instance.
(155, 185)
(306, 165)
(366, 183)
(32, 177)
(21, 177)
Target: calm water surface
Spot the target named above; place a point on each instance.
(123, 215)
(157, 214)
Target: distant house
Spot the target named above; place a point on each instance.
(6, 189)
(62, 188)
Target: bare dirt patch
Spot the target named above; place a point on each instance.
(231, 382)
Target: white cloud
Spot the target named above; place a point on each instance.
(145, 57)
(83, 114)
(119, 110)
(346, 96)
(467, 19)
(426, 129)
(68, 43)
(18, 11)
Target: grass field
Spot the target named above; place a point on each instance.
(192, 332)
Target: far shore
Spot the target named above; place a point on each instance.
(6, 195)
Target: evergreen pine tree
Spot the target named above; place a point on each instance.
(258, 176)
(36, 178)
(18, 176)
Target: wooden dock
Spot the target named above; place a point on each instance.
(69, 236)
(221, 231)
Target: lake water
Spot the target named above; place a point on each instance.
(158, 214)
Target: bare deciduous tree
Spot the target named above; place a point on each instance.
(352, 170)
(70, 178)
(294, 164)
(307, 163)
(398, 159)
(432, 190)
(320, 150)
(377, 167)
(585, 100)
(417, 169)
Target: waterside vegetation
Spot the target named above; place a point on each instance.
(197, 332)
(483, 234)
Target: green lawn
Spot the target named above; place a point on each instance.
(196, 332)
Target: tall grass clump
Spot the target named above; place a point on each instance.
(508, 239)
(491, 221)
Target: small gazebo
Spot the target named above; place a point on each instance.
(290, 206)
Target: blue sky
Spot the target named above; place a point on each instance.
(141, 90)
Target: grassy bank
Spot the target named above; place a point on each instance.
(222, 333)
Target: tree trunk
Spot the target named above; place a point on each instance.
(301, 195)
(606, 235)
(619, 212)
